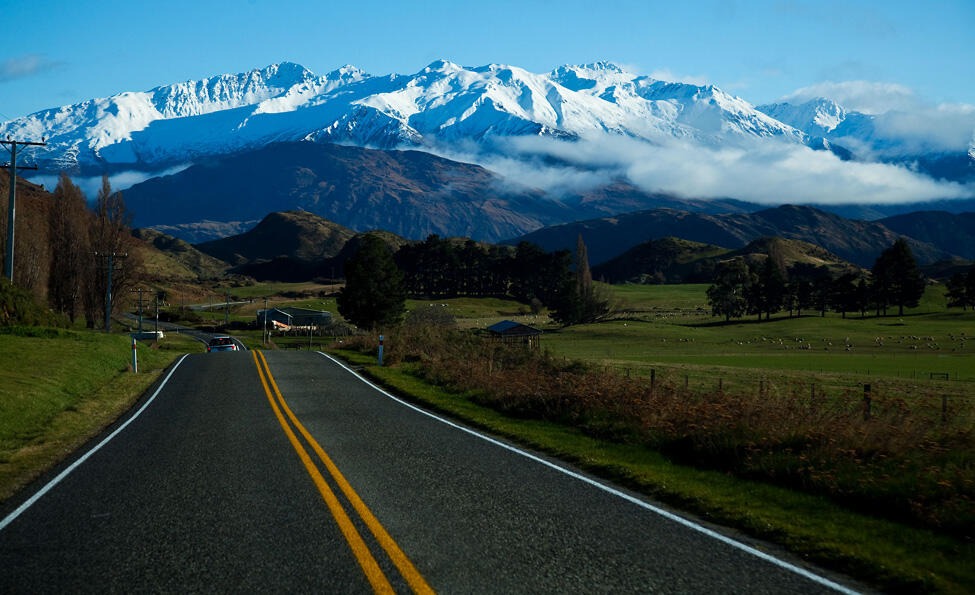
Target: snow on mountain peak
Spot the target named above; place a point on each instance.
(285, 71)
(443, 102)
(441, 65)
(601, 66)
(348, 72)
(819, 116)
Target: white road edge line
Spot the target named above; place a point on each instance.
(30, 502)
(669, 515)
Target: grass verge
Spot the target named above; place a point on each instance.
(892, 556)
(65, 388)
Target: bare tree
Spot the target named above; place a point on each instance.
(68, 223)
(109, 234)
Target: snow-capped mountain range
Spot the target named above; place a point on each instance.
(441, 105)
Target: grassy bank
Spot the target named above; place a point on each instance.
(61, 387)
(891, 555)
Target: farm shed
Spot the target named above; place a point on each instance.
(274, 315)
(305, 317)
(295, 317)
(510, 331)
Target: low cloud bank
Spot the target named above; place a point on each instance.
(122, 180)
(761, 171)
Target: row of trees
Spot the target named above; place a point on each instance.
(444, 268)
(66, 247)
(741, 288)
(377, 282)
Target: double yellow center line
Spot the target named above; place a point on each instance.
(374, 573)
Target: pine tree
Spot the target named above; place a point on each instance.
(956, 294)
(771, 288)
(727, 295)
(970, 287)
(843, 293)
(862, 297)
(580, 301)
(897, 277)
(374, 295)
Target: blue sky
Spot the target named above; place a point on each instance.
(63, 52)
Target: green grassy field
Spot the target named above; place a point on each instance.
(67, 386)
(261, 290)
(661, 328)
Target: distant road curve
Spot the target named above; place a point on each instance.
(203, 337)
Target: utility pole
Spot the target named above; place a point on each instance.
(12, 204)
(111, 256)
(226, 318)
(140, 291)
(157, 316)
(265, 320)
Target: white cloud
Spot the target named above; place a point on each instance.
(121, 181)
(25, 66)
(665, 74)
(930, 128)
(862, 96)
(762, 171)
(524, 163)
(776, 173)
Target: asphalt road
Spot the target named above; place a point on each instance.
(205, 491)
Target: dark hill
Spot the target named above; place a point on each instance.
(287, 268)
(410, 193)
(610, 236)
(859, 242)
(179, 255)
(791, 252)
(298, 235)
(856, 241)
(667, 260)
(951, 232)
(621, 196)
(671, 260)
(944, 269)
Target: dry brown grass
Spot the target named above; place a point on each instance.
(902, 462)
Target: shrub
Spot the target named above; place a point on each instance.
(431, 314)
(19, 307)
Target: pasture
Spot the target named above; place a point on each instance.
(669, 329)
